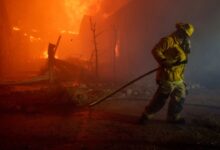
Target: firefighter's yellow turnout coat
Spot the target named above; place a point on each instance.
(168, 52)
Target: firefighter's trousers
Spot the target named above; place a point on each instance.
(176, 91)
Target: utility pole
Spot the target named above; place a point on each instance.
(93, 29)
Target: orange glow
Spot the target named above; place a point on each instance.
(45, 55)
(35, 24)
(76, 9)
(32, 38)
(117, 49)
(106, 15)
(68, 32)
(75, 84)
(56, 56)
(16, 28)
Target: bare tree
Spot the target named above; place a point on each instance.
(94, 31)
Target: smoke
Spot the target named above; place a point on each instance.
(108, 8)
(58, 15)
(34, 24)
(142, 23)
(76, 9)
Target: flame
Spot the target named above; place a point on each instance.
(32, 38)
(76, 9)
(45, 55)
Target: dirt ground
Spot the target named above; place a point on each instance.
(36, 121)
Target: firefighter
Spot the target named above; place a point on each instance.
(171, 54)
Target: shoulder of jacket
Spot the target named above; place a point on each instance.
(169, 40)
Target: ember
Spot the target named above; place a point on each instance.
(16, 29)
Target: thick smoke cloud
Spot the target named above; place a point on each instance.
(143, 23)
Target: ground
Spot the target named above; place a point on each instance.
(37, 121)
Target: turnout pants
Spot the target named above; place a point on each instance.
(176, 91)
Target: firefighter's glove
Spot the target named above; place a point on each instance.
(171, 63)
(168, 63)
(180, 63)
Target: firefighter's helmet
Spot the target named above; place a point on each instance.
(186, 27)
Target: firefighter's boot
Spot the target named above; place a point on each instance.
(145, 118)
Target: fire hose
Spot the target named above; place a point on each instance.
(121, 88)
